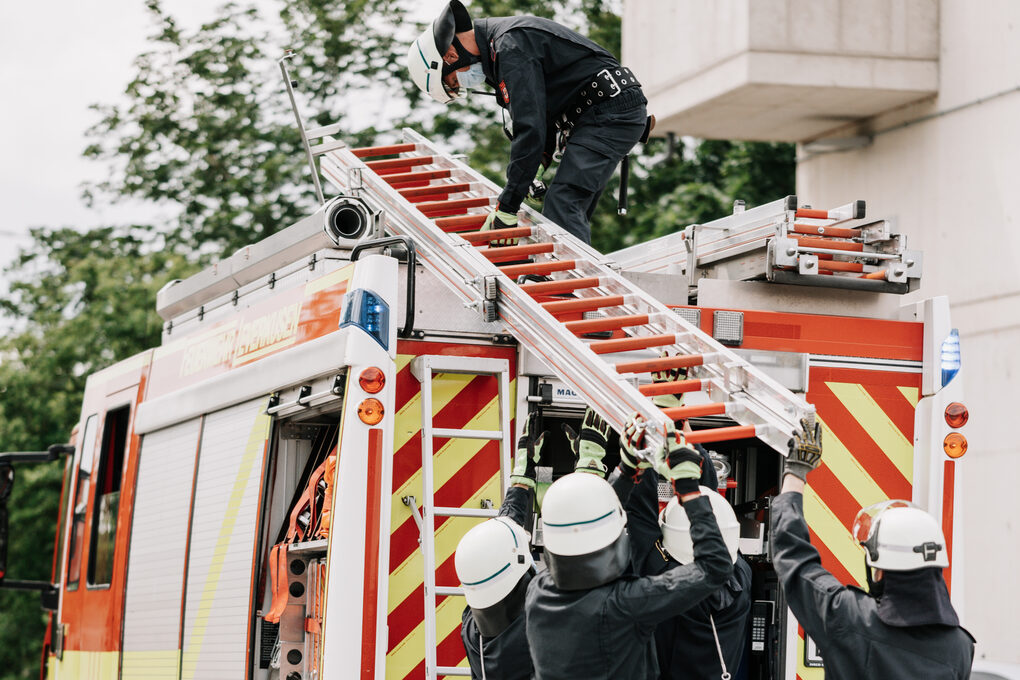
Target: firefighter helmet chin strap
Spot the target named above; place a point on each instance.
(718, 648)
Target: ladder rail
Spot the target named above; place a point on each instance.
(765, 403)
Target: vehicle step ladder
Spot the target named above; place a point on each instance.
(423, 368)
(441, 203)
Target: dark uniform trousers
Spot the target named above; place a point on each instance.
(597, 143)
(506, 656)
(855, 643)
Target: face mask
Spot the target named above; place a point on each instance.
(471, 78)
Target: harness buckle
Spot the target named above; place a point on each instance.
(612, 82)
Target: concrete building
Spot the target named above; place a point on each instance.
(914, 106)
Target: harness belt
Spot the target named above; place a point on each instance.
(603, 86)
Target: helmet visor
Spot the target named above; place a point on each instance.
(865, 526)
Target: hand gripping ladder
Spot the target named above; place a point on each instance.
(433, 198)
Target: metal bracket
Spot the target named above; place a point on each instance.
(412, 503)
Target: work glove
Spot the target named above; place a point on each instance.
(805, 450)
(681, 465)
(590, 446)
(498, 219)
(630, 442)
(668, 375)
(528, 449)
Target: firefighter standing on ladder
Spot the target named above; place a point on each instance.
(905, 627)
(550, 79)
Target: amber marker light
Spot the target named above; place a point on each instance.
(955, 444)
(956, 415)
(372, 380)
(370, 411)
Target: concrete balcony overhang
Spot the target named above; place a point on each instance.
(779, 70)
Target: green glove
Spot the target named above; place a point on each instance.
(668, 375)
(590, 446)
(631, 440)
(529, 448)
(498, 219)
(805, 450)
(682, 465)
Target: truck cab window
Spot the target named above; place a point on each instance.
(104, 509)
(81, 500)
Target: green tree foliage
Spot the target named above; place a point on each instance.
(206, 137)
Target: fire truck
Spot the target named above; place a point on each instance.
(277, 490)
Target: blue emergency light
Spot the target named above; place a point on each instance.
(370, 313)
(951, 359)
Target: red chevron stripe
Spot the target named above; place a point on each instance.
(895, 404)
(829, 560)
(853, 435)
(409, 613)
(831, 490)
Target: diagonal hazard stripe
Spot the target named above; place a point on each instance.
(899, 410)
(910, 394)
(834, 535)
(849, 470)
(408, 654)
(411, 572)
(880, 427)
(408, 421)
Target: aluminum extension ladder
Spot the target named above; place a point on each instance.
(423, 368)
(435, 199)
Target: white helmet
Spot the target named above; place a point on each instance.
(899, 536)
(490, 560)
(425, 55)
(676, 527)
(583, 529)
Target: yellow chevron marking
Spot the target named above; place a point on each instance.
(402, 361)
(850, 472)
(151, 665)
(911, 394)
(410, 651)
(411, 572)
(90, 665)
(835, 536)
(803, 671)
(877, 424)
(255, 446)
(444, 389)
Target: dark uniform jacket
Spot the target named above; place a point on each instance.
(605, 633)
(844, 621)
(506, 656)
(536, 67)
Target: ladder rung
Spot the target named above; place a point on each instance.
(443, 511)
(393, 164)
(881, 275)
(460, 222)
(508, 253)
(812, 214)
(450, 591)
(371, 151)
(821, 230)
(537, 268)
(627, 344)
(419, 178)
(449, 433)
(683, 412)
(672, 387)
(421, 193)
(664, 363)
(319, 149)
(454, 207)
(609, 323)
(721, 434)
(835, 266)
(332, 129)
(810, 242)
(561, 286)
(495, 234)
(453, 670)
(588, 304)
